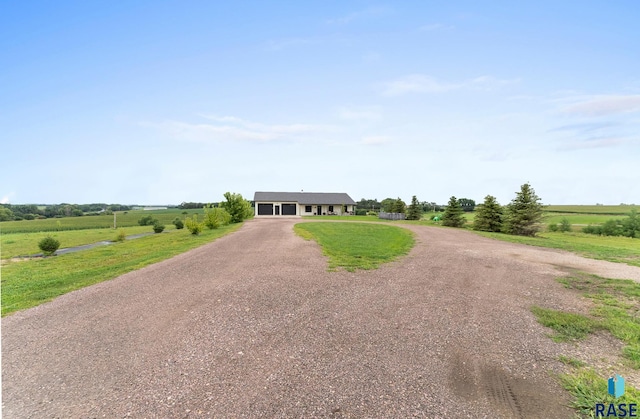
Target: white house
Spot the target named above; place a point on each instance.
(302, 203)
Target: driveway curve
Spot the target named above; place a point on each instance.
(253, 325)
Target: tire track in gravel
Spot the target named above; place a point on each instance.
(253, 325)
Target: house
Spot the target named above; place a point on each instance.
(302, 203)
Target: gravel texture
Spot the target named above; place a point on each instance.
(253, 325)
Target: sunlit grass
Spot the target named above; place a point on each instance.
(358, 245)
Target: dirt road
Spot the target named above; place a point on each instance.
(253, 325)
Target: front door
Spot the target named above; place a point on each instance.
(277, 209)
(319, 209)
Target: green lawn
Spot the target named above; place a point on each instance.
(614, 249)
(357, 245)
(25, 244)
(29, 283)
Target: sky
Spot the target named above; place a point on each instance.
(161, 102)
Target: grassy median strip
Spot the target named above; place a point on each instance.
(30, 283)
(358, 245)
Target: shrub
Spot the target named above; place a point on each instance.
(178, 223)
(121, 236)
(592, 230)
(147, 220)
(611, 228)
(565, 225)
(215, 217)
(193, 225)
(48, 245)
(361, 212)
(157, 227)
(238, 208)
(553, 227)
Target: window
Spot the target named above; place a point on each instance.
(307, 208)
(330, 208)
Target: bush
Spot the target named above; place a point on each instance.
(565, 225)
(147, 221)
(215, 217)
(48, 245)
(592, 230)
(553, 227)
(361, 212)
(193, 225)
(157, 227)
(178, 223)
(121, 236)
(238, 208)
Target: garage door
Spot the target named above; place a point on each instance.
(288, 209)
(265, 209)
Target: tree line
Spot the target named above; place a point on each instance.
(9, 212)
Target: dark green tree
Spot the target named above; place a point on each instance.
(631, 225)
(524, 213)
(238, 208)
(453, 214)
(488, 215)
(387, 204)
(399, 206)
(467, 204)
(414, 212)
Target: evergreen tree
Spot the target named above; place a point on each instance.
(452, 216)
(415, 209)
(488, 215)
(399, 206)
(524, 213)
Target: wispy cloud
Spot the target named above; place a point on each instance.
(362, 14)
(584, 127)
(606, 142)
(375, 140)
(230, 128)
(421, 83)
(6, 198)
(602, 105)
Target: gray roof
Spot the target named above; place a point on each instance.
(305, 198)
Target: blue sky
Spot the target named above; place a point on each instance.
(159, 102)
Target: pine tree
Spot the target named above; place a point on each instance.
(453, 214)
(399, 206)
(488, 215)
(415, 209)
(524, 213)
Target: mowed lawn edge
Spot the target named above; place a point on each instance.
(354, 246)
(31, 283)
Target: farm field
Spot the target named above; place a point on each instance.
(88, 222)
(591, 209)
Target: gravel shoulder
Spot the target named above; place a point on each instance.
(254, 325)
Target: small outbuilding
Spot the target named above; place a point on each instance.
(303, 203)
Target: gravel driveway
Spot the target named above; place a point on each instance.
(253, 325)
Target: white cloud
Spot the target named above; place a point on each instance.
(231, 128)
(594, 143)
(601, 105)
(375, 140)
(5, 199)
(421, 83)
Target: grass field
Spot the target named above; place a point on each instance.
(357, 245)
(614, 249)
(29, 283)
(87, 222)
(591, 209)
